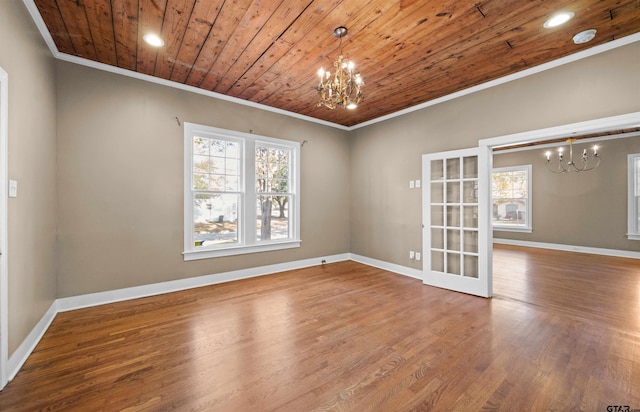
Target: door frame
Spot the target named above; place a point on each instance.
(565, 131)
(4, 283)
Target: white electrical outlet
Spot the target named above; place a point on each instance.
(418, 183)
(411, 254)
(417, 255)
(411, 184)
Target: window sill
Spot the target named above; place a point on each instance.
(633, 236)
(239, 250)
(512, 229)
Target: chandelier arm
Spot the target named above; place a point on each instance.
(550, 169)
(597, 163)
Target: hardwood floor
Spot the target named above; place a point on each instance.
(561, 333)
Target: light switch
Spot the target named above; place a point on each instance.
(418, 183)
(417, 255)
(411, 254)
(13, 188)
(411, 184)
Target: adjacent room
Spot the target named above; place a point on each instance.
(310, 205)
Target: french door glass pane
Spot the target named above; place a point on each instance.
(470, 192)
(437, 261)
(437, 192)
(453, 239)
(470, 216)
(453, 216)
(453, 168)
(470, 167)
(470, 266)
(437, 238)
(453, 263)
(453, 192)
(436, 170)
(470, 241)
(437, 216)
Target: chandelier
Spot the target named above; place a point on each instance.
(587, 161)
(344, 88)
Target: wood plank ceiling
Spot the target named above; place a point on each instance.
(269, 51)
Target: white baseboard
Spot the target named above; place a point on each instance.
(570, 248)
(118, 295)
(17, 359)
(391, 267)
(20, 355)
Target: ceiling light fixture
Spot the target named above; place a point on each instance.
(558, 19)
(584, 36)
(589, 162)
(153, 40)
(344, 88)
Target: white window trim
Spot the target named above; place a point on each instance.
(248, 183)
(528, 228)
(633, 227)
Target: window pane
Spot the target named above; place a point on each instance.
(233, 150)
(217, 147)
(200, 182)
(510, 211)
(216, 183)
(272, 170)
(200, 145)
(200, 164)
(232, 184)
(215, 219)
(509, 191)
(232, 167)
(272, 217)
(217, 165)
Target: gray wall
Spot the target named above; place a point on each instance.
(386, 216)
(121, 181)
(32, 162)
(582, 209)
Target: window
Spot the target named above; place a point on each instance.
(633, 209)
(241, 193)
(511, 198)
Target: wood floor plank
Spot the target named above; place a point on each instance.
(349, 337)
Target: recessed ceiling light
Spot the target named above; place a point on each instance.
(584, 36)
(153, 39)
(558, 19)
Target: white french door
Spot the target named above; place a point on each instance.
(456, 238)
